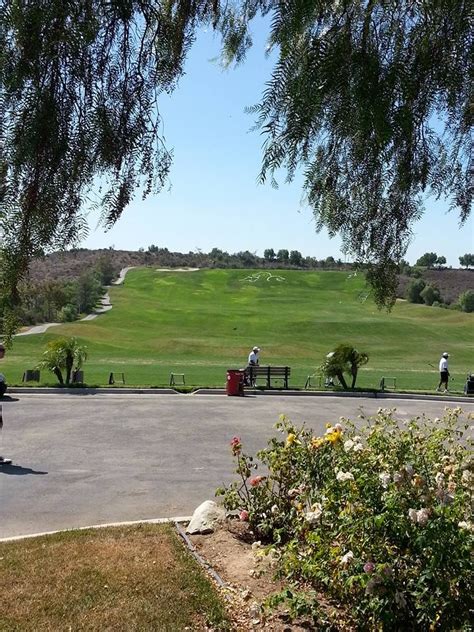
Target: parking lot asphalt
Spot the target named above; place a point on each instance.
(81, 459)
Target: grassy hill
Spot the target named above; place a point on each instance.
(201, 323)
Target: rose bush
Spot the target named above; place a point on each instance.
(376, 516)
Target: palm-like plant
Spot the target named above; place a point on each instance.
(62, 355)
(344, 359)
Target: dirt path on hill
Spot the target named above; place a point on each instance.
(105, 306)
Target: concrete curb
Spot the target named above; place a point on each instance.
(36, 390)
(128, 523)
(200, 560)
(249, 393)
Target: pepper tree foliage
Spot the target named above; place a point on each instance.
(79, 86)
(370, 98)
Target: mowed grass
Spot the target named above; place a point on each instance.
(202, 323)
(122, 578)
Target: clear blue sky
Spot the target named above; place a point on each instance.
(214, 200)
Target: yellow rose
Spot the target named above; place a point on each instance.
(316, 442)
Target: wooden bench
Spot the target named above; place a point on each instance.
(268, 373)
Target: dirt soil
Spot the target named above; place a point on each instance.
(249, 574)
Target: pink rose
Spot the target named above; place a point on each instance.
(256, 480)
(244, 515)
(236, 446)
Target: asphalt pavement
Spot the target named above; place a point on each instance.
(82, 459)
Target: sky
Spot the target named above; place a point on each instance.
(213, 198)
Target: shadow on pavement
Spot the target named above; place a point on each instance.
(7, 398)
(18, 470)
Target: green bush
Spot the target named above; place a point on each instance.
(377, 518)
(68, 313)
(466, 301)
(414, 291)
(430, 294)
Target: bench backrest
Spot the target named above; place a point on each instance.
(269, 370)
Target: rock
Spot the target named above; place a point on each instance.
(205, 518)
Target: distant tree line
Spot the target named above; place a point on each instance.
(218, 258)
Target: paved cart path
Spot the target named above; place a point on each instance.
(90, 459)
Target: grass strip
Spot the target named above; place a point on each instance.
(121, 578)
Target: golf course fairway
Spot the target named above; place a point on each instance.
(203, 322)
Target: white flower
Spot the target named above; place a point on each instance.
(385, 479)
(329, 430)
(357, 439)
(314, 515)
(413, 515)
(274, 509)
(397, 477)
(358, 447)
(422, 516)
(348, 445)
(466, 524)
(344, 476)
(347, 558)
(439, 478)
(467, 478)
(338, 427)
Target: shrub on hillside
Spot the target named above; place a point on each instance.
(414, 291)
(378, 518)
(430, 294)
(68, 313)
(466, 301)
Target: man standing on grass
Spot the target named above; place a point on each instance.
(253, 357)
(443, 372)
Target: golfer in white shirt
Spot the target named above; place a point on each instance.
(443, 372)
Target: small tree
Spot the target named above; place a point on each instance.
(283, 255)
(414, 291)
(269, 254)
(467, 260)
(106, 271)
(62, 355)
(427, 260)
(296, 258)
(466, 301)
(440, 261)
(430, 294)
(344, 359)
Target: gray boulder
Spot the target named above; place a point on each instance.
(205, 518)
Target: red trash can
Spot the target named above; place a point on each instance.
(235, 382)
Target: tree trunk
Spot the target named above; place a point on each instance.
(69, 363)
(354, 378)
(59, 375)
(341, 379)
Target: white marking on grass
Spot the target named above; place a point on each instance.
(253, 278)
